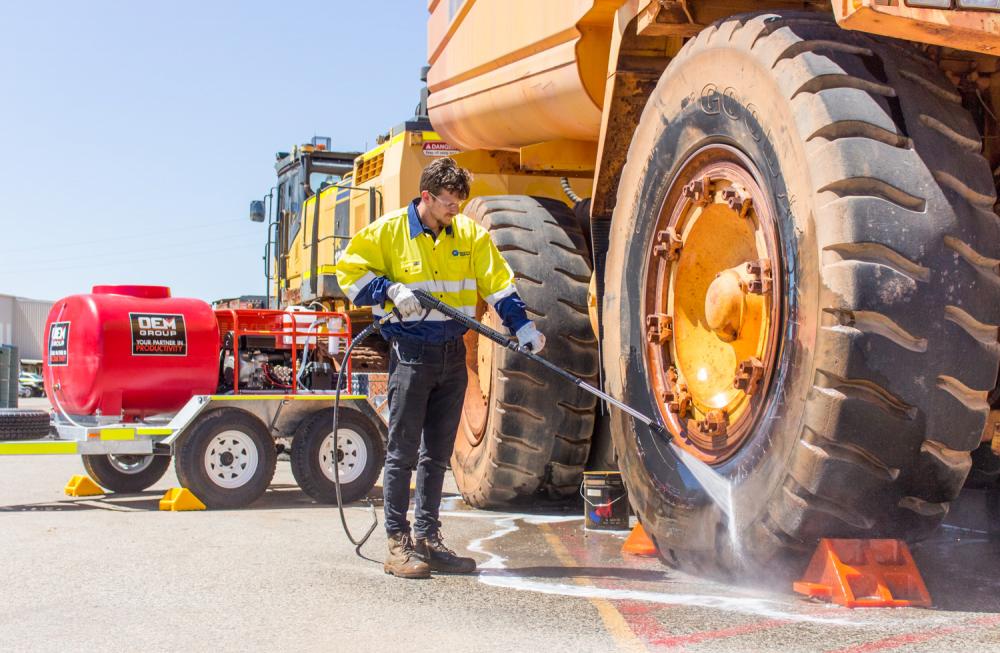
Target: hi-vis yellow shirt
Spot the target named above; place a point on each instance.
(457, 267)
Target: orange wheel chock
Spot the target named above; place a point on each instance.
(82, 486)
(638, 543)
(864, 574)
(180, 498)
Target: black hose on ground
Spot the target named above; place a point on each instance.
(360, 542)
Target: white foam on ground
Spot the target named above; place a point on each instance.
(498, 575)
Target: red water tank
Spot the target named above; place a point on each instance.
(130, 350)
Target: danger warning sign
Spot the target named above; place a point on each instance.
(58, 344)
(439, 148)
(158, 334)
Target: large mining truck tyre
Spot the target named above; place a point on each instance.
(525, 431)
(872, 202)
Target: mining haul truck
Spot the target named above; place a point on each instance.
(789, 238)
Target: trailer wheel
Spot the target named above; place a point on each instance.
(523, 429)
(361, 456)
(125, 473)
(799, 285)
(227, 459)
(23, 424)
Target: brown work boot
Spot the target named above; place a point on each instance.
(402, 560)
(432, 550)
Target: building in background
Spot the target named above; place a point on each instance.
(22, 324)
(243, 301)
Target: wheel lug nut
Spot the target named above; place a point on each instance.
(678, 399)
(748, 375)
(715, 425)
(699, 191)
(668, 244)
(737, 201)
(659, 328)
(760, 277)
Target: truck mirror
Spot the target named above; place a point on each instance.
(257, 211)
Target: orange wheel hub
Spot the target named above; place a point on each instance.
(712, 302)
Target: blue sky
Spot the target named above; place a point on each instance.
(133, 135)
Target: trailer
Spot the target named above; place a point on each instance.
(273, 374)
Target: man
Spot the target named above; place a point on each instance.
(431, 246)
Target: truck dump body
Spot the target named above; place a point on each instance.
(499, 81)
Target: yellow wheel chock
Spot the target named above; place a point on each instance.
(180, 498)
(82, 486)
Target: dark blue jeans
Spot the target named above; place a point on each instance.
(426, 390)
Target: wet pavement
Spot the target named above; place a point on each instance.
(115, 574)
(648, 606)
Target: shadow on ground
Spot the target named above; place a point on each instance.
(278, 497)
(960, 563)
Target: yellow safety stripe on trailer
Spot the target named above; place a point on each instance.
(124, 433)
(115, 434)
(29, 448)
(153, 431)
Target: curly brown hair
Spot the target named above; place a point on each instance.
(445, 174)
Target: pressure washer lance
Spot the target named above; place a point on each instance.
(430, 302)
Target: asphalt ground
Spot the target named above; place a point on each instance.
(115, 574)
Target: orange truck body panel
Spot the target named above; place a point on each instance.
(510, 73)
(507, 74)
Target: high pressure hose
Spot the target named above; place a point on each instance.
(360, 542)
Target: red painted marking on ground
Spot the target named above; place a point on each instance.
(905, 639)
(633, 607)
(637, 614)
(707, 635)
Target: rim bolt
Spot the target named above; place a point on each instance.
(659, 328)
(668, 244)
(715, 425)
(678, 399)
(760, 277)
(748, 375)
(699, 191)
(737, 201)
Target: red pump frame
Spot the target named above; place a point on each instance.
(262, 322)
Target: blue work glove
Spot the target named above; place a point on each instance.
(530, 337)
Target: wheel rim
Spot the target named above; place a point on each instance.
(130, 464)
(479, 365)
(712, 306)
(352, 456)
(231, 459)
